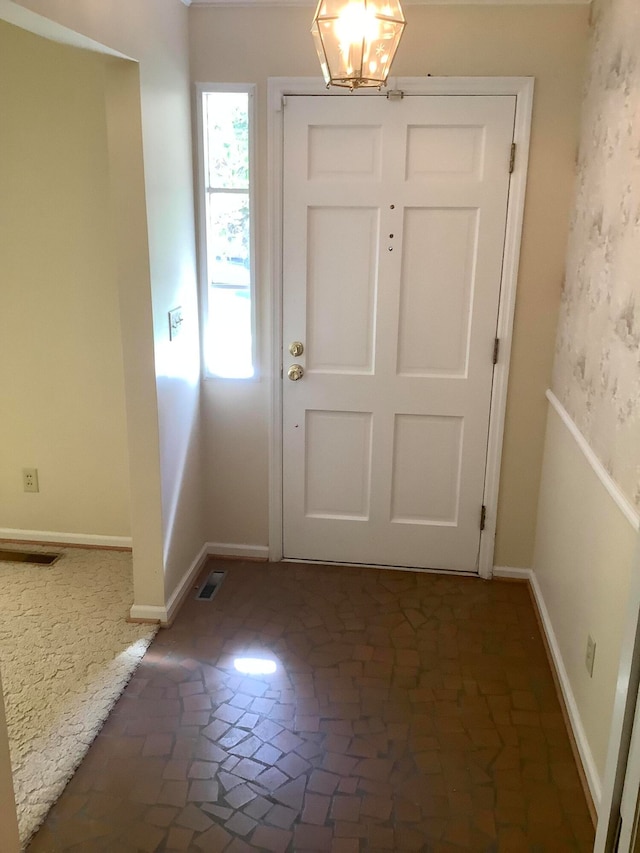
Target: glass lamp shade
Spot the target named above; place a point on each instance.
(356, 40)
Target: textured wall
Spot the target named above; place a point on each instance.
(597, 368)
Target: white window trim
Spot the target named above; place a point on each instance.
(250, 90)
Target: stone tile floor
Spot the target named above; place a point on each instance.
(407, 712)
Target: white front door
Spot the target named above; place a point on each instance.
(393, 234)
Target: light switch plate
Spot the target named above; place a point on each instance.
(175, 323)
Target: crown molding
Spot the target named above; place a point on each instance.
(313, 3)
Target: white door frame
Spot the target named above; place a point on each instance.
(522, 89)
(624, 723)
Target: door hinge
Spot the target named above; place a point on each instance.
(483, 516)
(496, 350)
(395, 95)
(512, 158)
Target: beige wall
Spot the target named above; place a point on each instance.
(583, 557)
(61, 369)
(126, 167)
(547, 42)
(157, 259)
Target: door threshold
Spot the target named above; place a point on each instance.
(451, 572)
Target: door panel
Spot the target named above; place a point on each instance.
(341, 340)
(327, 144)
(441, 150)
(338, 464)
(427, 450)
(394, 218)
(433, 338)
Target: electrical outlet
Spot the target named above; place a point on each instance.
(590, 655)
(30, 480)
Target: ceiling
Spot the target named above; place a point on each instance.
(313, 3)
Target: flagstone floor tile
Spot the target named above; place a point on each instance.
(400, 711)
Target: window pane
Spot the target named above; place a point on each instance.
(228, 247)
(226, 137)
(229, 334)
(227, 268)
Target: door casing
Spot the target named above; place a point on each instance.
(278, 89)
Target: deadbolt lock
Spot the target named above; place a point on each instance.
(296, 349)
(295, 372)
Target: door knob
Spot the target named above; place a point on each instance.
(296, 349)
(295, 372)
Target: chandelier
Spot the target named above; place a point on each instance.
(356, 40)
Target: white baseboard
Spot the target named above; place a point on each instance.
(227, 549)
(588, 763)
(55, 537)
(147, 613)
(586, 756)
(512, 573)
(179, 593)
(164, 615)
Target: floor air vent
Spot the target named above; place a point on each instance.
(26, 557)
(210, 586)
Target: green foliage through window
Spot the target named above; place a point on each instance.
(227, 207)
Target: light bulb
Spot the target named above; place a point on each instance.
(356, 23)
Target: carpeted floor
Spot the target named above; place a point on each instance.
(66, 654)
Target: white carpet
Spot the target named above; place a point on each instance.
(66, 653)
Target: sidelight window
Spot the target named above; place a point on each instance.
(225, 119)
